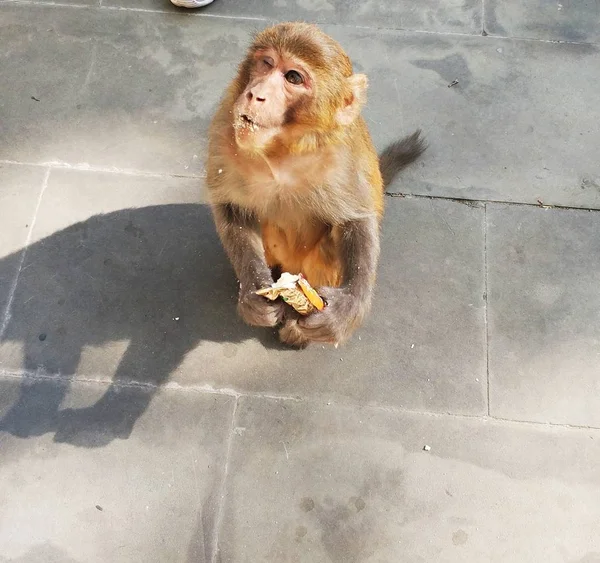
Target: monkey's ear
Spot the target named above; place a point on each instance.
(353, 104)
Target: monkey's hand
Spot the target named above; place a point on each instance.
(335, 323)
(257, 310)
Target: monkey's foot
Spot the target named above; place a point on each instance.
(291, 335)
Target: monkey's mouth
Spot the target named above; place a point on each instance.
(247, 122)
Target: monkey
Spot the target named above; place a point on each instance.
(295, 184)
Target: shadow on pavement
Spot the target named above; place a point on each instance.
(156, 277)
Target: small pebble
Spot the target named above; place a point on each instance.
(426, 448)
(99, 508)
(42, 337)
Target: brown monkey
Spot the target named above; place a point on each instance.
(295, 183)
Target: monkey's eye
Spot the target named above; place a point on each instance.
(294, 77)
(268, 61)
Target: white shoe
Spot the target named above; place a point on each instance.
(191, 3)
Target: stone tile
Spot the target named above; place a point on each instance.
(117, 89)
(19, 190)
(497, 135)
(544, 326)
(422, 347)
(137, 484)
(316, 483)
(72, 197)
(540, 19)
(110, 263)
(457, 17)
(71, 3)
(146, 294)
(47, 55)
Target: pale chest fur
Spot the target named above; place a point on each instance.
(290, 186)
(300, 193)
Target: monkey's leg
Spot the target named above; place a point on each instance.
(290, 333)
(239, 234)
(348, 304)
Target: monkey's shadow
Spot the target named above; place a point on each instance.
(155, 276)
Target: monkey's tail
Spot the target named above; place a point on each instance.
(399, 155)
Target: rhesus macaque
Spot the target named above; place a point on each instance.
(295, 183)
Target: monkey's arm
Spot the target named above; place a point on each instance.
(348, 304)
(239, 235)
(360, 253)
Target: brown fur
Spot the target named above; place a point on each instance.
(301, 192)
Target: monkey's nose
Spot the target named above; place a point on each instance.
(252, 96)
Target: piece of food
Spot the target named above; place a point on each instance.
(310, 293)
(296, 292)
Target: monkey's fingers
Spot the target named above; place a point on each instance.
(257, 311)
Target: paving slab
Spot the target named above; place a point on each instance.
(147, 294)
(497, 134)
(111, 263)
(423, 345)
(74, 3)
(137, 93)
(427, 15)
(143, 87)
(47, 56)
(321, 483)
(20, 187)
(134, 489)
(540, 19)
(544, 320)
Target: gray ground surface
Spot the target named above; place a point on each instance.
(141, 421)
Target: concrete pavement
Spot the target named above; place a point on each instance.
(141, 421)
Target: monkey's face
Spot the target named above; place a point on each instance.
(296, 82)
(278, 88)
